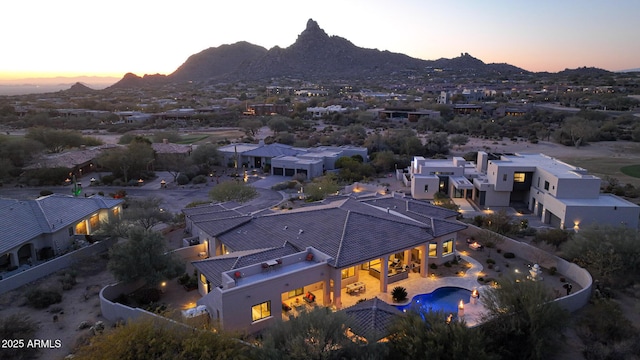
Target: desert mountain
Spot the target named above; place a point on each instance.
(314, 56)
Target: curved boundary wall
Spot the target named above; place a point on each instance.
(114, 311)
(51, 266)
(545, 259)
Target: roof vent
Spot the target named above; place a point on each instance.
(300, 231)
(285, 227)
(388, 210)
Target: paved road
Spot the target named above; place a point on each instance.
(174, 199)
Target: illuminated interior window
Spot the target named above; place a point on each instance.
(347, 273)
(518, 177)
(295, 292)
(261, 311)
(94, 221)
(447, 247)
(116, 211)
(81, 228)
(203, 279)
(433, 249)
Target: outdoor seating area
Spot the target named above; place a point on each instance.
(356, 288)
(309, 297)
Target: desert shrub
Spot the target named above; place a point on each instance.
(184, 279)
(107, 179)
(509, 255)
(182, 179)
(433, 266)
(447, 264)
(45, 192)
(17, 326)
(491, 261)
(553, 270)
(199, 179)
(147, 296)
(399, 294)
(40, 298)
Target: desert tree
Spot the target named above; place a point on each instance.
(521, 320)
(233, 191)
(159, 340)
(143, 255)
(316, 334)
(421, 334)
(609, 252)
(140, 212)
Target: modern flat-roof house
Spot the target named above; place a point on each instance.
(39, 229)
(262, 262)
(288, 160)
(562, 195)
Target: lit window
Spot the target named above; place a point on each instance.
(295, 292)
(347, 273)
(81, 228)
(518, 177)
(433, 248)
(95, 222)
(447, 247)
(261, 311)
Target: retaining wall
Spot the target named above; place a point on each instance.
(49, 267)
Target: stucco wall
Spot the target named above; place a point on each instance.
(47, 268)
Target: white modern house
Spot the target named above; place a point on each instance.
(261, 266)
(39, 229)
(562, 195)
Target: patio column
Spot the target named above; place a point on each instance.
(14, 260)
(34, 253)
(337, 288)
(423, 260)
(407, 257)
(384, 273)
(327, 292)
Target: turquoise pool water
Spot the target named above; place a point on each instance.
(444, 299)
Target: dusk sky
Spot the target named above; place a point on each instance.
(44, 38)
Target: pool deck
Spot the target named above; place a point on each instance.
(417, 285)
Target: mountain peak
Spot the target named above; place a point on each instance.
(313, 30)
(312, 25)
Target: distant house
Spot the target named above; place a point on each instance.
(79, 161)
(562, 195)
(266, 109)
(45, 227)
(409, 114)
(315, 253)
(165, 150)
(288, 160)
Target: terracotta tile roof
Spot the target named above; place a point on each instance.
(171, 148)
(346, 229)
(25, 220)
(372, 319)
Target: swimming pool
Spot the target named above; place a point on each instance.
(444, 299)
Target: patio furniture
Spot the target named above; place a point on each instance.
(475, 246)
(309, 297)
(356, 287)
